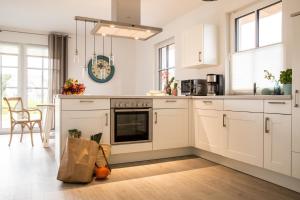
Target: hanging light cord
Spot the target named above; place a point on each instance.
(76, 39)
(85, 43)
(94, 41)
(111, 45)
(103, 44)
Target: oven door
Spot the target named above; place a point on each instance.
(131, 125)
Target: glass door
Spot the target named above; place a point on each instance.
(24, 72)
(9, 69)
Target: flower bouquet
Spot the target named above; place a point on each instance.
(72, 87)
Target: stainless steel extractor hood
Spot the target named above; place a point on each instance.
(125, 22)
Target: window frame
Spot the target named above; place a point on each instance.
(244, 12)
(233, 38)
(22, 74)
(158, 70)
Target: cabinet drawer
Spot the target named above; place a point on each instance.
(85, 104)
(170, 103)
(208, 104)
(278, 106)
(244, 105)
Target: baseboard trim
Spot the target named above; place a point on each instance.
(150, 155)
(264, 174)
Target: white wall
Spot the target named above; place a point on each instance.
(135, 60)
(214, 13)
(23, 38)
(124, 51)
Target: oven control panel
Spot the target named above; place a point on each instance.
(131, 103)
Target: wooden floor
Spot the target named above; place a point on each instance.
(30, 173)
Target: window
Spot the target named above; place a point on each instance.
(37, 74)
(166, 64)
(257, 46)
(24, 72)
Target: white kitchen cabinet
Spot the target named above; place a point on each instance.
(296, 85)
(296, 164)
(209, 131)
(277, 143)
(88, 122)
(199, 46)
(244, 133)
(296, 97)
(170, 128)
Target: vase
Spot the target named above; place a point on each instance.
(277, 90)
(287, 89)
(266, 91)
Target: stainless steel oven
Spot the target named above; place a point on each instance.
(131, 120)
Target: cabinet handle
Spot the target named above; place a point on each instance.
(276, 102)
(155, 117)
(106, 119)
(224, 118)
(199, 56)
(207, 102)
(267, 119)
(296, 101)
(171, 101)
(86, 101)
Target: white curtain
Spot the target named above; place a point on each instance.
(248, 67)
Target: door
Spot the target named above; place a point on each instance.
(296, 85)
(88, 122)
(209, 131)
(170, 128)
(192, 46)
(244, 132)
(277, 143)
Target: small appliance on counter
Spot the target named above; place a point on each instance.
(196, 87)
(215, 84)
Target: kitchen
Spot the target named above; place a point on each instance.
(219, 112)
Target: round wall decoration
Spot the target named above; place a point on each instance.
(101, 71)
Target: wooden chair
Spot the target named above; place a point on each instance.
(22, 116)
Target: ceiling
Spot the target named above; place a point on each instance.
(57, 15)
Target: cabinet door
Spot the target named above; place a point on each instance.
(244, 132)
(88, 122)
(192, 46)
(296, 165)
(277, 143)
(209, 131)
(296, 85)
(170, 128)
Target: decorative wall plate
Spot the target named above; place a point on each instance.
(101, 71)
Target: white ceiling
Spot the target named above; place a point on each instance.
(57, 15)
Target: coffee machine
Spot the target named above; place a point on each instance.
(215, 84)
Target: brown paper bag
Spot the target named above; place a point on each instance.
(78, 161)
(100, 161)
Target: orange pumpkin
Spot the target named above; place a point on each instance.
(102, 172)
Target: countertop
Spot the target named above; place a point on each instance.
(246, 97)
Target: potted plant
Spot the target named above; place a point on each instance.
(271, 77)
(286, 81)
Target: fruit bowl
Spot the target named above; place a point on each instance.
(73, 87)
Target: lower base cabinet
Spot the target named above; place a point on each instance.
(209, 132)
(88, 122)
(296, 165)
(170, 128)
(244, 132)
(277, 143)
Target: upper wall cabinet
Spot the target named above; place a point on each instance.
(199, 46)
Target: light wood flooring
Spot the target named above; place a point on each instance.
(30, 173)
